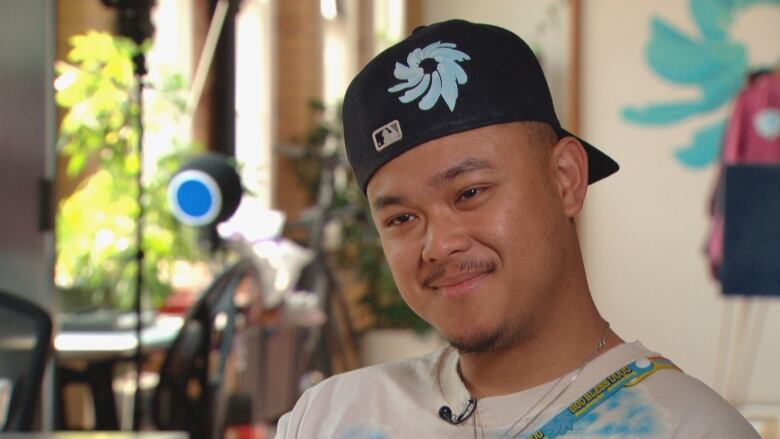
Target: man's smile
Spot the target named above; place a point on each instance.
(460, 281)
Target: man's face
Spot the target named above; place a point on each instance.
(474, 232)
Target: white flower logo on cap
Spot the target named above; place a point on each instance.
(433, 71)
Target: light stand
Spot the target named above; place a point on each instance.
(134, 22)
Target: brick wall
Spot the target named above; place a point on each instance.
(298, 80)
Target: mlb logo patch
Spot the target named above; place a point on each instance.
(387, 135)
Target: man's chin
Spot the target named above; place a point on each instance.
(471, 347)
(479, 341)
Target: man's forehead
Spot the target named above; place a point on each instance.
(448, 173)
(397, 182)
(442, 159)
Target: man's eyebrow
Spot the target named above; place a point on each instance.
(383, 201)
(466, 165)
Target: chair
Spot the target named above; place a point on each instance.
(25, 340)
(188, 394)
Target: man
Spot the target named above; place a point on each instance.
(473, 187)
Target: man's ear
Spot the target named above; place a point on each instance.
(571, 173)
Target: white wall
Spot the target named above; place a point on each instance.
(254, 96)
(645, 228)
(543, 24)
(26, 149)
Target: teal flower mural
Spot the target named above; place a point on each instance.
(433, 70)
(713, 62)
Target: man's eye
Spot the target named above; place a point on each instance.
(470, 193)
(400, 219)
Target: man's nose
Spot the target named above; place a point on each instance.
(445, 235)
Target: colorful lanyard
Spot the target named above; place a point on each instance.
(627, 376)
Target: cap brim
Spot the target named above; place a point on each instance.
(600, 165)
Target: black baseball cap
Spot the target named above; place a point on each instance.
(446, 78)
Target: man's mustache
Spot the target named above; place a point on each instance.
(465, 265)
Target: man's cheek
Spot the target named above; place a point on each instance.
(395, 254)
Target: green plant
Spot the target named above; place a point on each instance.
(360, 252)
(99, 132)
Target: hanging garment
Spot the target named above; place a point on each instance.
(752, 139)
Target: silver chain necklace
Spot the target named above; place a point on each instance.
(599, 346)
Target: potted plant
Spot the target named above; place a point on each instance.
(98, 136)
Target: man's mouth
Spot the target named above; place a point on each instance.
(461, 279)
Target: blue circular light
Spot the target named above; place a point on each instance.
(194, 198)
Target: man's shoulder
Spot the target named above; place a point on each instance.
(376, 396)
(662, 399)
(412, 374)
(687, 392)
(693, 407)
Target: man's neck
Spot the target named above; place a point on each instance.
(535, 361)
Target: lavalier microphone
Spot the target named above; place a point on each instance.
(445, 412)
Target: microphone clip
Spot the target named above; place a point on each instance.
(445, 413)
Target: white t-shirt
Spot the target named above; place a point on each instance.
(402, 400)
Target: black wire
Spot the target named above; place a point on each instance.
(140, 70)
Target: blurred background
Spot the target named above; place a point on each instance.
(209, 132)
